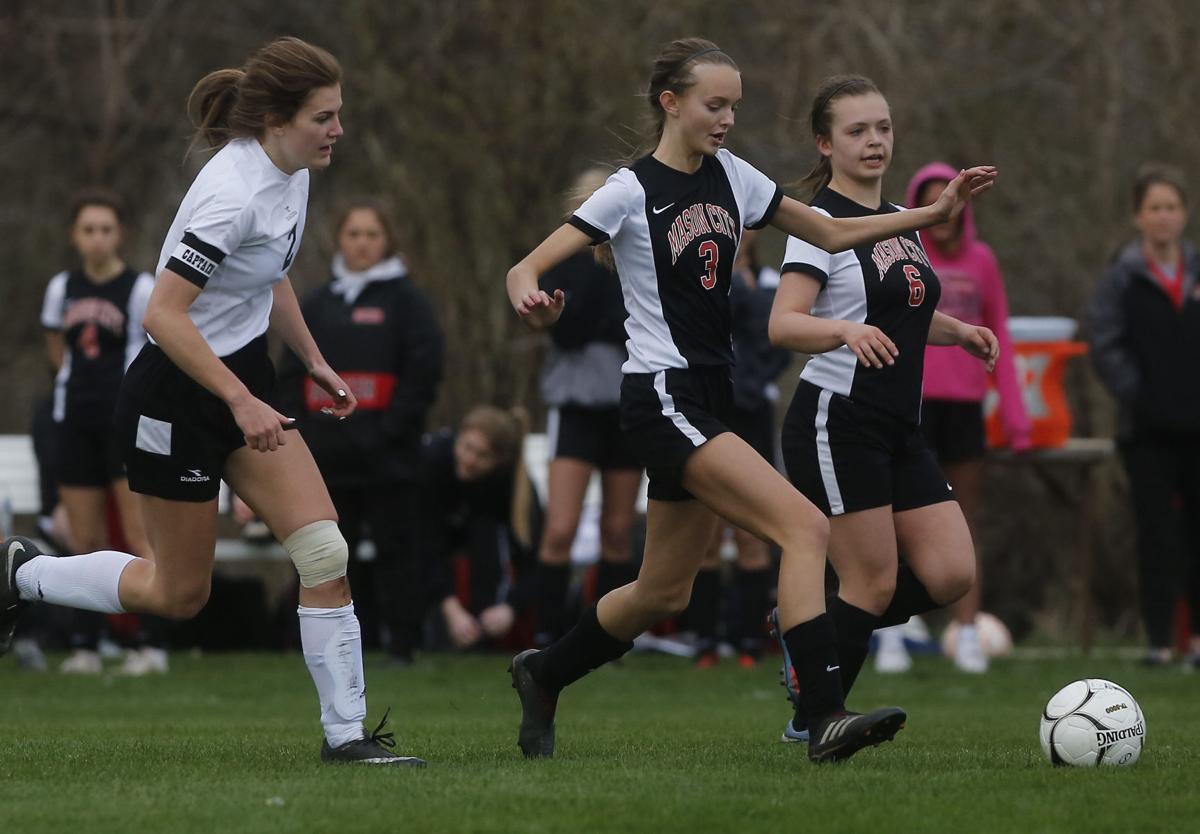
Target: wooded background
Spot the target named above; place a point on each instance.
(471, 117)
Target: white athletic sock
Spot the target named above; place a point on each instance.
(89, 582)
(332, 646)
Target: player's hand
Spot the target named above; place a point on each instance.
(498, 620)
(464, 629)
(262, 426)
(981, 343)
(344, 401)
(539, 309)
(969, 183)
(870, 344)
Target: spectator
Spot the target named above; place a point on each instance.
(374, 324)
(92, 316)
(479, 525)
(581, 383)
(756, 366)
(1144, 321)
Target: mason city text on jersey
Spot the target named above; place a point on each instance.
(699, 219)
(887, 252)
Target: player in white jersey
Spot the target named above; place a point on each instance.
(852, 441)
(674, 220)
(193, 404)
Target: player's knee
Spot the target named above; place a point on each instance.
(557, 539)
(805, 530)
(953, 582)
(614, 535)
(665, 600)
(878, 591)
(185, 603)
(319, 552)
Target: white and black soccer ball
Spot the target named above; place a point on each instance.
(1092, 722)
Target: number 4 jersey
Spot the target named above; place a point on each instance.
(235, 235)
(889, 285)
(674, 238)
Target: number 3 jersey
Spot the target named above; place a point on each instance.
(890, 285)
(234, 236)
(674, 238)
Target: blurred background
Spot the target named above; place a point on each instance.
(471, 117)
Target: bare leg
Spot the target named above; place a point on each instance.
(966, 478)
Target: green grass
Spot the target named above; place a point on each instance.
(229, 743)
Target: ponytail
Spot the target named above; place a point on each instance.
(209, 106)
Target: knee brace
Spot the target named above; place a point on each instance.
(319, 551)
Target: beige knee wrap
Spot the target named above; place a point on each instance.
(319, 551)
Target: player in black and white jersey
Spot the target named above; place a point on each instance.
(92, 317)
(674, 220)
(193, 406)
(852, 441)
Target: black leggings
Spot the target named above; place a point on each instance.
(1164, 485)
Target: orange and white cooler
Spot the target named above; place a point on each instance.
(1042, 345)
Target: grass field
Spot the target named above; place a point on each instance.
(229, 743)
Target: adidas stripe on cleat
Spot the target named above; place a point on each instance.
(841, 735)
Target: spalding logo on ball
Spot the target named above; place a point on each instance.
(1092, 722)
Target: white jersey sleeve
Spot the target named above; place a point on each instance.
(52, 303)
(602, 215)
(757, 194)
(139, 300)
(217, 226)
(802, 256)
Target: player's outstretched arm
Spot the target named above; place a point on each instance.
(536, 307)
(842, 233)
(975, 339)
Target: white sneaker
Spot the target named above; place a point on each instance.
(891, 658)
(82, 662)
(144, 661)
(969, 656)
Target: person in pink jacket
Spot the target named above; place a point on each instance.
(956, 383)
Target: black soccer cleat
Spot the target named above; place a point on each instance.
(843, 734)
(536, 736)
(14, 552)
(376, 749)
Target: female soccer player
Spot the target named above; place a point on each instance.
(192, 406)
(674, 219)
(852, 440)
(92, 317)
(581, 383)
(1144, 321)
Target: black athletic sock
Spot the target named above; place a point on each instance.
(753, 587)
(585, 647)
(612, 575)
(704, 610)
(911, 598)
(853, 626)
(813, 647)
(551, 598)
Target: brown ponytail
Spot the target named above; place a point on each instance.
(821, 120)
(270, 89)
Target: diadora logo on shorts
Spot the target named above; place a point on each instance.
(194, 476)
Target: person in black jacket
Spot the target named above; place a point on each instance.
(479, 524)
(757, 364)
(1144, 321)
(1145, 337)
(372, 322)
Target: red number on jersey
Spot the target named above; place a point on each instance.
(710, 253)
(89, 341)
(916, 287)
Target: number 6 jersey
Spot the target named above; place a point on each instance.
(235, 235)
(889, 285)
(674, 238)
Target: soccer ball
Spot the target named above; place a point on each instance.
(1092, 722)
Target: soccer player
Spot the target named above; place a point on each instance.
(674, 220)
(92, 317)
(192, 408)
(581, 384)
(852, 440)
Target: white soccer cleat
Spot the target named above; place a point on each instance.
(969, 655)
(891, 658)
(145, 661)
